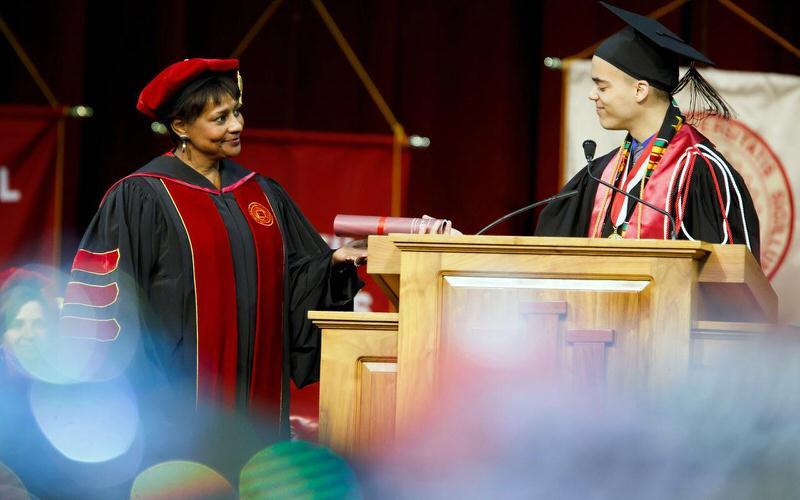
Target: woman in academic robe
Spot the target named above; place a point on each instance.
(196, 273)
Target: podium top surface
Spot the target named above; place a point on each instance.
(384, 251)
(537, 244)
(730, 265)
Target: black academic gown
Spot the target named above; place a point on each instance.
(572, 216)
(157, 285)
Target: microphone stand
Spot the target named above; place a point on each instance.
(504, 218)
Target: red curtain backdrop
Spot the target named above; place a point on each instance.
(468, 75)
(327, 174)
(28, 184)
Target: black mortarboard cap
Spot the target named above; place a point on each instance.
(647, 50)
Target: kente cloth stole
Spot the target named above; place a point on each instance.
(653, 172)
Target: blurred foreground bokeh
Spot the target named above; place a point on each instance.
(77, 424)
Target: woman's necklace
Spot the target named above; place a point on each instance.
(211, 174)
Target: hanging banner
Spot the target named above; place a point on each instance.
(29, 194)
(761, 142)
(328, 174)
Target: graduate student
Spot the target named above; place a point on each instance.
(664, 159)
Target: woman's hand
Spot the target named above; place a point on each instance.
(354, 251)
(438, 226)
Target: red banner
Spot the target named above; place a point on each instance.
(328, 174)
(29, 190)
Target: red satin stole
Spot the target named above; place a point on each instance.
(654, 225)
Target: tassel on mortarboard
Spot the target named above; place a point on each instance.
(704, 99)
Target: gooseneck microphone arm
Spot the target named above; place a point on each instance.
(589, 147)
(524, 209)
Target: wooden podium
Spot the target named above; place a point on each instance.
(621, 313)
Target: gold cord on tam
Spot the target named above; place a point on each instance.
(241, 87)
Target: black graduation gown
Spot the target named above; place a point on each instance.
(156, 281)
(572, 216)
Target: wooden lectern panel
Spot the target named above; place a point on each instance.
(539, 321)
(716, 344)
(543, 323)
(445, 289)
(357, 379)
(588, 367)
(376, 404)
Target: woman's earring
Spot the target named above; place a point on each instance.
(184, 139)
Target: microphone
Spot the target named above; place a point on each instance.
(504, 218)
(589, 148)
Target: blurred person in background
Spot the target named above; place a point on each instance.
(27, 319)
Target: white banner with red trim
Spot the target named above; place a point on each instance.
(762, 142)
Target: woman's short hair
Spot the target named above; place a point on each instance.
(189, 104)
